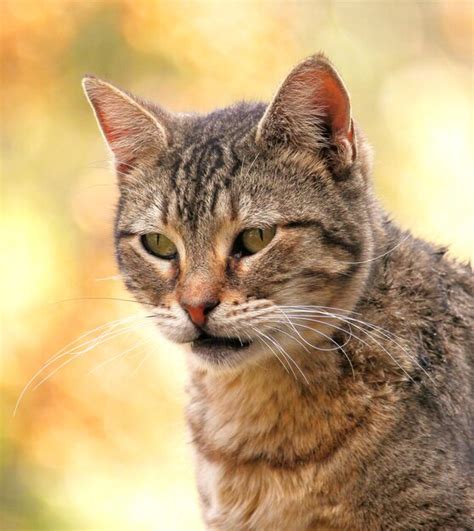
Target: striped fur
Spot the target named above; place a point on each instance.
(357, 434)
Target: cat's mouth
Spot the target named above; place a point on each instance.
(215, 346)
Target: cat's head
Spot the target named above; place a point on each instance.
(229, 224)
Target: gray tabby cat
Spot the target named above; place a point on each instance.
(329, 371)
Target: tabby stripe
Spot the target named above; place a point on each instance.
(124, 234)
(215, 194)
(276, 460)
(329, 236)
(164, 210)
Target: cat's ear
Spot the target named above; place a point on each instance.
(131, 128)
(311, 110)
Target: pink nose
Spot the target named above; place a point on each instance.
(198, 312)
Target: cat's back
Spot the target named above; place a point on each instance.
(423, 293)
(424, 467)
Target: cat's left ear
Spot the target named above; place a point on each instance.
(311, 110)
(131, 128)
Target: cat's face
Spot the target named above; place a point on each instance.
(227, 221)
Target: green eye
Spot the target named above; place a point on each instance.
(254, 240)
(159, 245)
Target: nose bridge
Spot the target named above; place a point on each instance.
(202, 274)
(198, 287)
(201, 279)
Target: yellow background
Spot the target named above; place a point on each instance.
(101, 444)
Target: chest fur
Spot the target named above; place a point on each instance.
(257, 497)
(280, 453)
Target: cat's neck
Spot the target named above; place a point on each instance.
(270, 414)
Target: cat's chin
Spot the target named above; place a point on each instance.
(220, 350)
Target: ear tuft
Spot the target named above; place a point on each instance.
(311, 110)
(131, 128)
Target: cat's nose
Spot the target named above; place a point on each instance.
(198, 312)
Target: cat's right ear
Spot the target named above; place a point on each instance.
(131, 128)
(311, 110)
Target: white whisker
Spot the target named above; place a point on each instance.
(360, 339)
(145, 357)
(79, 354)
(262, 336)
(381, 332)
(329, 338)
(286, 355)
(116, 356)
(380, 255)
(106, 331)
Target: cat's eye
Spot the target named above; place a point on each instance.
(252, 241)
(159, 245)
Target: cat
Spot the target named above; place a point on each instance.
(331, 352)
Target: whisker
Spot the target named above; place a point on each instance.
(142, 361)
(56, 356)
(106, 329)
(309, 306)
(251, 165)
(289, 335)
(322, 309)
(286, 355)
(310, 344)
(361, 340)
(249, 337)
(262, 338)
(74, 356)
(381, 255)
(337, 347)
(131, 166)
(90, 343)
(119, 355)
(293, 325)
(109, 165)
(145, 357)
(299, 343)
(381, 332)
(281, 350)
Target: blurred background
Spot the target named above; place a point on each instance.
(101, 443)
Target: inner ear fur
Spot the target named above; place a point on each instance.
(311, 110)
